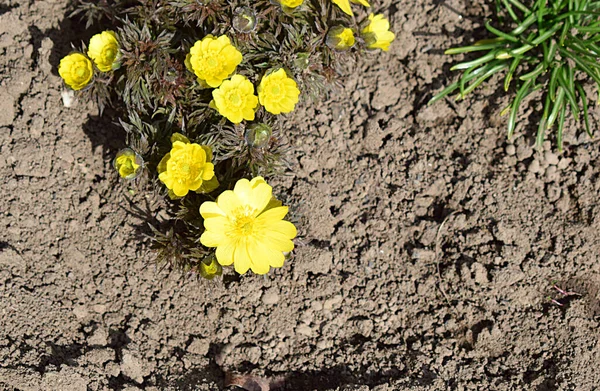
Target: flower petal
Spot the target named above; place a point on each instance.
(259, 257)
(228, 201)
(213, 239)
(285, 228)
(217, 224)
(273, 215)
(241, 259)
(210, 209)
(225, 252)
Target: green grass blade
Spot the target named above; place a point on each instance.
(539, 139)
(541, 5)
(510, 11)
(520, 6)
(586, 119)
(535, 73)
(474, 48)
(581, 64)
(561, 124)
(499, 33)
(519, 51)
(511, 70)
(569, 92)
(524, 25)
(481, 60)
(553, 83)
(547, 34)
(560, 96)
(493, 69)
(522, 93)
(448, 90)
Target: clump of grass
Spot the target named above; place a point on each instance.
(552, 46)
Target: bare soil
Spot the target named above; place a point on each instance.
(428, 252)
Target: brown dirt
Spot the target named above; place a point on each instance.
(428, 252)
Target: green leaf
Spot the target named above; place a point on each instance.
(522, 93)
(561, 124)
(539, 139)
(481, 60)
(499, 33)
(511, 70)
(584, 104)
(560, 95)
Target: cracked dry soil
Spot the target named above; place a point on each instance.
(428, 253)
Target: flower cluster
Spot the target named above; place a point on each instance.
(76, 69)
(203, 90)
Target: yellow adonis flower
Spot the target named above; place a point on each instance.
(187, 168)
(213, 59)
(340, 38)
(76, 70)
(128, 163)
(235, 99)
(104, 49)
(291, 3)
(345, 5)
(246, 226)
(278, 93)
(377, 34)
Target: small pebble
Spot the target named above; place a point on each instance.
(510, 149)
(534, 167)
(551, 158)
(524, 152)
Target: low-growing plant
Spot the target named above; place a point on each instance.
(202, 89)
(548, 45)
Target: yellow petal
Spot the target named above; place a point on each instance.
(209, 171)
(259, 257)
(285, 228)
(344, 6)
(216, 224)
(241, 260)
(212, 239)
(224, 253)
(210, 209)
(277, 241)
(228, 201)
(180, 189)
(362, 2)
(273, 214)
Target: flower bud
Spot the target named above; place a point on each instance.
(340, 38)
(244, 20)
(209, 268)
(128, 164)
(258, 135)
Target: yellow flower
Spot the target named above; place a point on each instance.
(340, 38)
(76, 70)
(187, 167)
(235, 99)
(291, 3)
(377, 34)
(246, 226)
(345, 5)
(128, 163)
(214, 59)
(278, 92)
(104, 49)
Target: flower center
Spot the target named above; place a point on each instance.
(244, 221)
(235, 99)
(275, 90)
(81, 72)
(212, 62)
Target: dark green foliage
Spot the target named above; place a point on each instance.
(553, 47)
